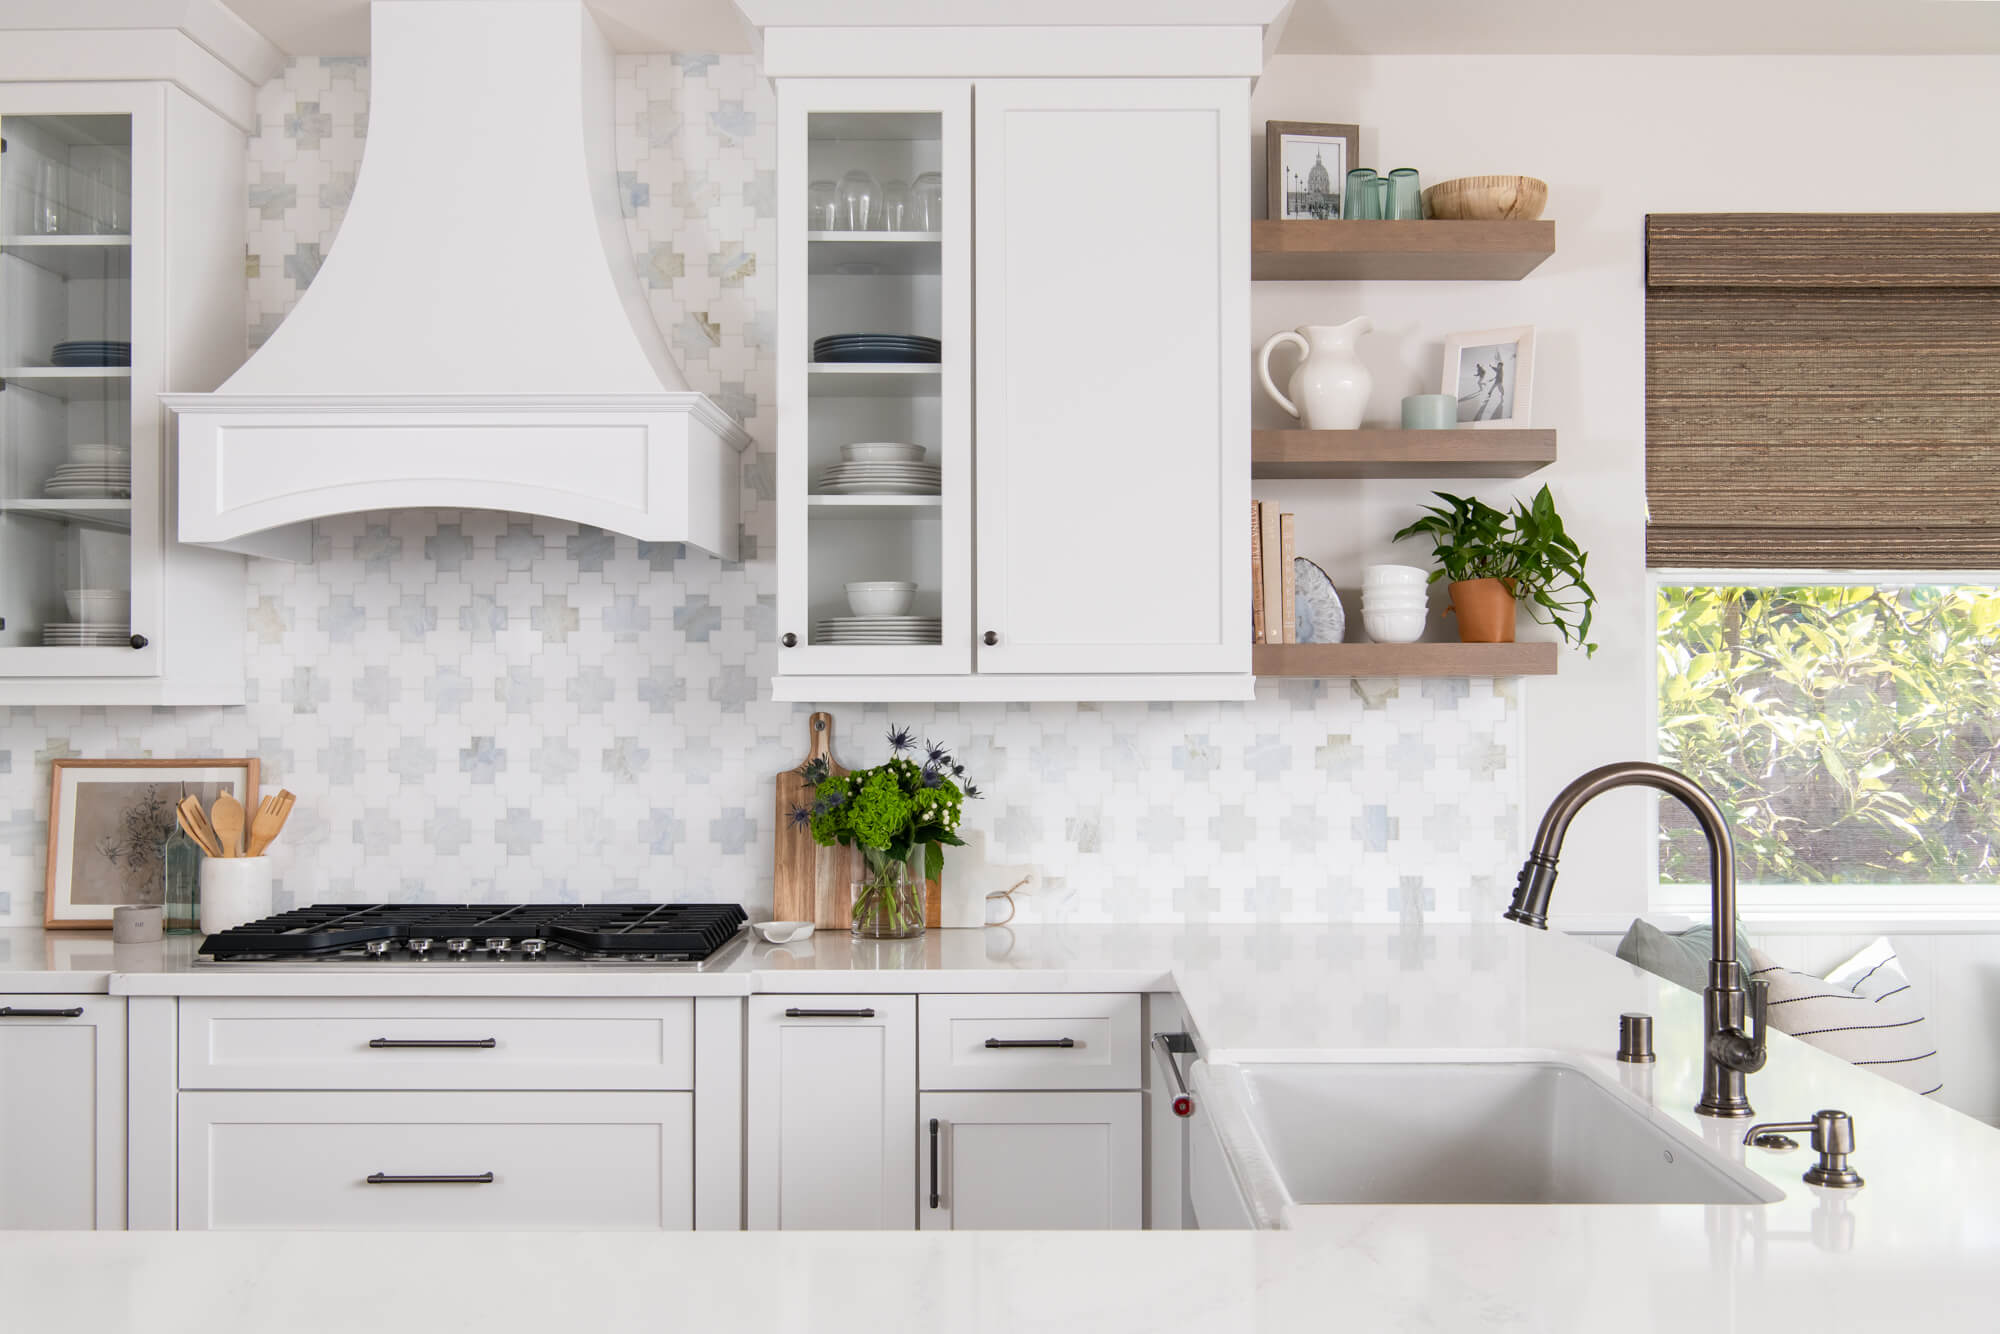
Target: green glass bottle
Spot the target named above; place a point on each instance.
(181, 860)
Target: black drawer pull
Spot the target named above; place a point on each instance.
(934, 1162)
(794, 1012)
(13, 1012)
(381, 1044)
(431, 1179)
(1030, 1042)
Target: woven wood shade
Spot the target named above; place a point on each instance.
(1823, 390)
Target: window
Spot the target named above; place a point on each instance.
(1849, 731)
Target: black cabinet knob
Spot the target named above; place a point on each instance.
(789, 640)
(139, 641)
(991, 637)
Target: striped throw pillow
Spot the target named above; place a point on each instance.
(1864, 1011)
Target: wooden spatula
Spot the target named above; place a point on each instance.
(227, 819)
(269, 820)
(195, 822)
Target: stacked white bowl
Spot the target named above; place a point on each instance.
(1395, 603)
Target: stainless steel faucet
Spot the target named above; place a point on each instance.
(1730, 1051)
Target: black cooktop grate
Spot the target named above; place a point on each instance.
(687, 930)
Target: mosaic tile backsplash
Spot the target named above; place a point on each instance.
(489, 707)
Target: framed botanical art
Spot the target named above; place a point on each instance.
(1492, 375)
(108, 826)
(1305, 168)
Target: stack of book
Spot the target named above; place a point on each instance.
(1273, 611)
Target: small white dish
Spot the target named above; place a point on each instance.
(1381, 576)
(881, 598)
(782, 933)
(98, 606)
(1393, 627)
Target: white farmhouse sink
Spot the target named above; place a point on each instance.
(1460, 1132)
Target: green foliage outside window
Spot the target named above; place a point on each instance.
(1849, 733)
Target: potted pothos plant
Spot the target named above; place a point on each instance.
(1496, 560)
(912, 800)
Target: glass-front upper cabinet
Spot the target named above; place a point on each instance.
(69, 602)
(875, 357)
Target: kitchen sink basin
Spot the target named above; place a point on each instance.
(1465, 1132)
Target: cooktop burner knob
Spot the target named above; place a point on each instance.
(534, 948)
(419, 946)
(458, 946)
(376, 949)
(498, 944)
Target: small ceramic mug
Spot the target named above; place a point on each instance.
(234, 890)
(1430, 412)
(135, 924)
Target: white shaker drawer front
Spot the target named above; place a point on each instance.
(1028, 1042)
(437, 1161)
(436, 1043)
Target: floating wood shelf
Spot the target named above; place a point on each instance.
(1377, 452)
(1429, 249)
(1404, 659)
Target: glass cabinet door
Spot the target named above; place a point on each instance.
(66, 409)
(875, 378)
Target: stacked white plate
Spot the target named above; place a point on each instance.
(882, 468)
(879, 630)
(73, 634)
(107, 480)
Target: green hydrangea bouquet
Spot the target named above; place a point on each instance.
(913, 799)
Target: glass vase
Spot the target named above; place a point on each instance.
(888, 899)
(181, 860)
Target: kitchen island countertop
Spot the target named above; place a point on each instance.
(1917, 1245)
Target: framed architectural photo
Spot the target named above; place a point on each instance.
(1492, 375)
(1305, 168)
(108, 824)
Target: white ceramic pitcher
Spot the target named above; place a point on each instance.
(1329, 387)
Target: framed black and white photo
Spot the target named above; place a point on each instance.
(1305, 168)
(1491, 373)
(108, 826)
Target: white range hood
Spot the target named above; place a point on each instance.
(478, 337)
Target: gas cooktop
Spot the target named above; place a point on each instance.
(449, 935)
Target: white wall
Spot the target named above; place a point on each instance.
(1615, 138)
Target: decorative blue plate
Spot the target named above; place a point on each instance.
(1320, 618)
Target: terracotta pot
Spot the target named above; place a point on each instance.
(1485, 609)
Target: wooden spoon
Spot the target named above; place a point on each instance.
(227, 818)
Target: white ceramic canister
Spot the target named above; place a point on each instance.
(234, 890)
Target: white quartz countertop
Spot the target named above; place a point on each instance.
(1915, 1246)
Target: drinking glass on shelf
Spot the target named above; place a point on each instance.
(45, 203)
(822, 207)
(1406, 196)
(1359, 201)
(1380, 185)
(927, 203)
(896, 211)
(860, 202)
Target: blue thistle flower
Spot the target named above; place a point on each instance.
(901, 739)
(972, 790)
(814, 770)
(935, 754)
(800, 817)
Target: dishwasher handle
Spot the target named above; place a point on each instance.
(1167, 1046)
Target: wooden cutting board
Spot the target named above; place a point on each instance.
(810, 883)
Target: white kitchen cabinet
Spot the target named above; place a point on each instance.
(101, 241)
(1113, 421)
(437, 1161)
(1067, 1040)
(1061, 1161)
(1090, 287)
(831, 1137)
(62, 1112)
